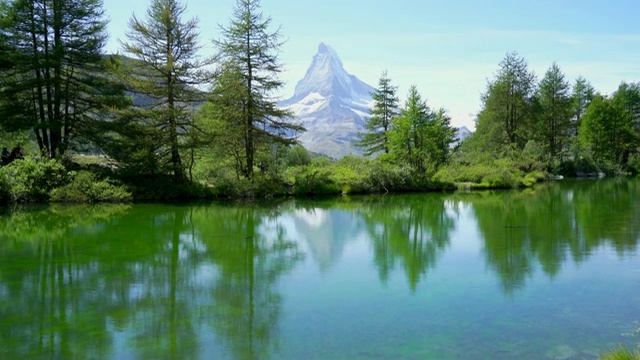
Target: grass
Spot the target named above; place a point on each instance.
(621, 353)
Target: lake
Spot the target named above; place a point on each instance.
(549, 273)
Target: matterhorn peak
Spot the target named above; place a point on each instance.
(331, 103)
(327, 51)
(326, 76)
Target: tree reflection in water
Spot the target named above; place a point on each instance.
(185, 282)
(553, 224)
(116, 282)
(410, 230)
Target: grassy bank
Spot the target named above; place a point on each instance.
(91, 180)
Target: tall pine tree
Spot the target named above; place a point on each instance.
(53, 78)
(583, 93)
(385, 110)
(506, 115)
(164, 73)
(555, 110)
(252, 48)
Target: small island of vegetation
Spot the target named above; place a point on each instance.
(161, 122)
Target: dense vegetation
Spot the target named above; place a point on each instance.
(169, 123)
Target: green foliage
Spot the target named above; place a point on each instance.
(583, 93)
(86, 188)
(385, 110)
(606, 133)
(166, 72)
(420, 137)
(385, 177)
(514, 168)
(552, 124)
(249, 52)
(621, 353)
(351, 175)
(409, 139)
(54, 81)
(164, 188)
(31, 180)
(297, 155)
(314, 181)
(507, 106)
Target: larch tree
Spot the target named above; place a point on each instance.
(505, 118)
(164, 73)
(553, 120)
(53, 78)
(606, 132)
(419, 136)
(582, 95)
(252, 48)
(408, 135)
(384, 111)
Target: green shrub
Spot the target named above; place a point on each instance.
(350, 174)
(86, 188)
(261, 186)
(385, 177)
(310, 180)
(621, 353)
(297, 155)
(532, 178)
(31, 179)
(163, 187)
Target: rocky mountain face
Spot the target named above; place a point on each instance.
(462, 133)
(332, 104)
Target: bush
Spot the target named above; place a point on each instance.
(621, 353)
(31, 180)
(350, 174)
(86, 188)
(500, 174)
(385, 177)
(297, 155)
(309, 180)
(163, 187)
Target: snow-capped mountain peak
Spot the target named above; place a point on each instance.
(327, 77)
(331, 103)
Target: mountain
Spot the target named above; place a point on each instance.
(332, 104)
(462, 133)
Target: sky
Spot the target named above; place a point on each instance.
(449, 49)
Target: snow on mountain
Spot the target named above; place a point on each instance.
(462, 133)
(332, 104)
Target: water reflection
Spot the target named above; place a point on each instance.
(252, 251)
(146, 283)
(190, 282)
(411, 231)
(326, 230)
(556, 223)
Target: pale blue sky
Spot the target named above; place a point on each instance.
(447, 48)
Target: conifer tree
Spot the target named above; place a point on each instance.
(252, 48)
(555, 110)
(506, 115)
(419, 136)
(385, 110)
(52, 74)
(583, 93)
(165, 72)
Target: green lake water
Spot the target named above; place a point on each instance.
(550, 273)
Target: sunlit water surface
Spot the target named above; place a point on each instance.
(547, 274)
